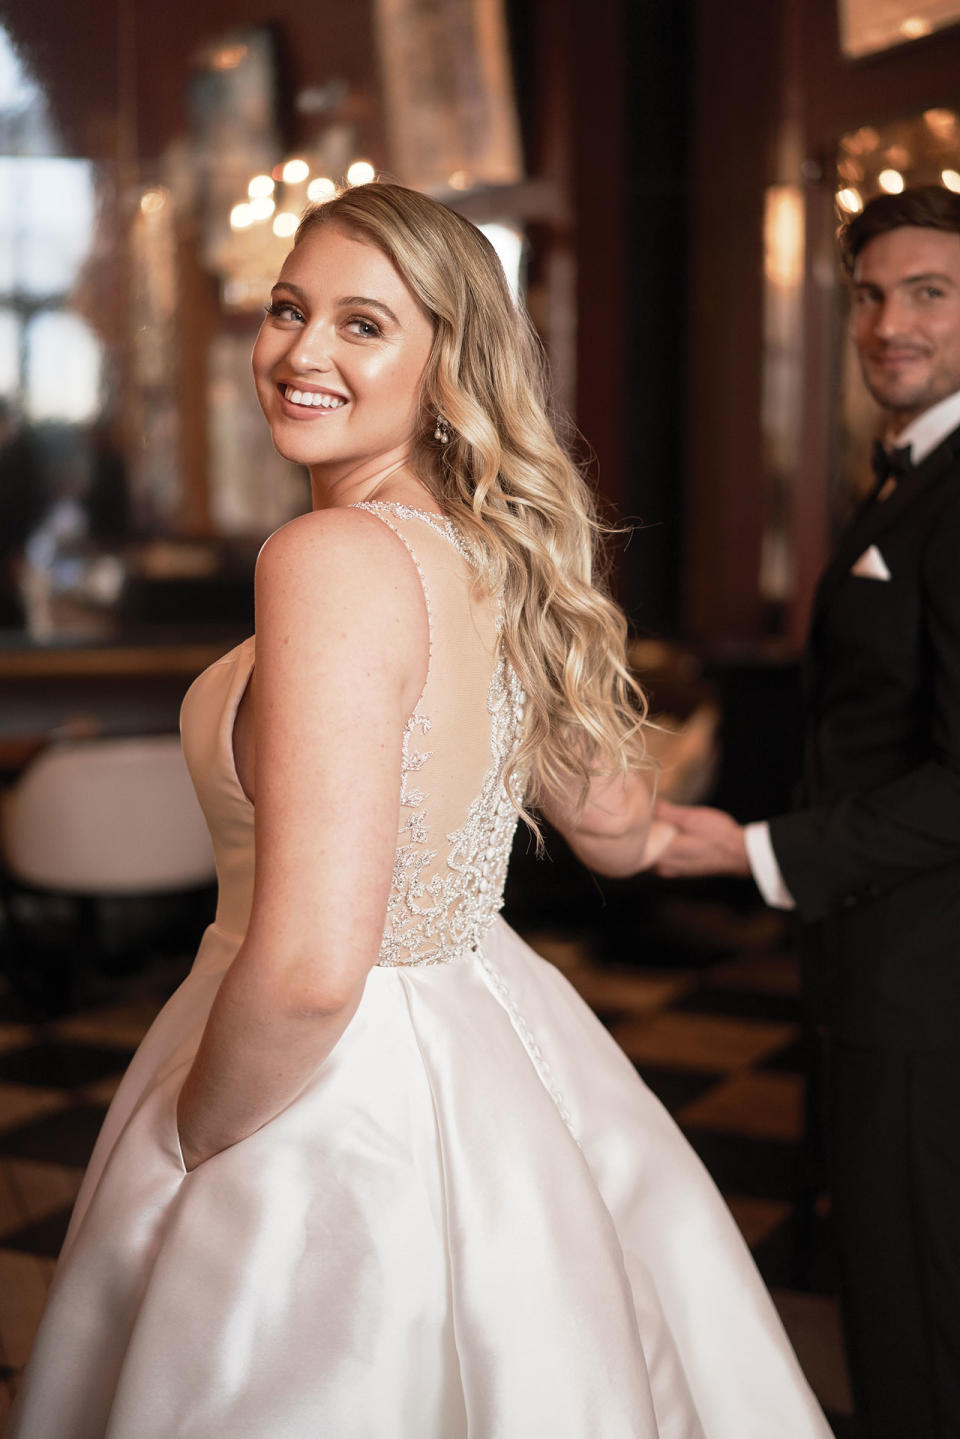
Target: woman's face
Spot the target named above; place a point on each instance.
(340, 355)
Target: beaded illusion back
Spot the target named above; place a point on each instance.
(457, 819)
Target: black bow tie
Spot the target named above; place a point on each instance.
(889, 464)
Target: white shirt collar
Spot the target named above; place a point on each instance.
(925, 432)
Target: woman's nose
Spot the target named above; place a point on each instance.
(312, 349)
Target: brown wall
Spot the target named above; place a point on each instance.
(735, 115)
(120, 65)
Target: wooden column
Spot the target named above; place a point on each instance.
(736, 88)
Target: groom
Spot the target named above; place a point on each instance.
(872, 861)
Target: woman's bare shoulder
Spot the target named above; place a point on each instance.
(340, 554)
(341, 536)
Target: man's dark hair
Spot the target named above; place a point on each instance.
(929, 207)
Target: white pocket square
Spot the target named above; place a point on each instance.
(871, 565)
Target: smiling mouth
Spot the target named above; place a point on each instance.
(312, 399)
(897, 357)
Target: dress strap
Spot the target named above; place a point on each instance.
(438, 523)
(388, 513)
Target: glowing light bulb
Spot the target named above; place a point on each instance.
(285, 224)
(321, 189)
(260, 187)
(153, 200)
(241, 216)
(262, 208)
(891, 181)
(295, 172)
(942, 122)
(914, 27)
(361, 172)
(850, 200)
(229, 57)
(951, 178)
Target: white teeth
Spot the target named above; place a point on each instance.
(312, 399)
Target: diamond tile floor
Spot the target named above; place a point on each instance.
(717, 1038)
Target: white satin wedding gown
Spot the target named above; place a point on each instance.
(475, 1221)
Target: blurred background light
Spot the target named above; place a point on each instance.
(64, 362)
(321, 189)
(361, 172)
(850, 200)
(507, 240)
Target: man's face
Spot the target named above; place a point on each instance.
(906, 319)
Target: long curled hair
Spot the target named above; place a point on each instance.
(511, 489)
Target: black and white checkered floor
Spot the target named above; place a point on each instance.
(710, 1017)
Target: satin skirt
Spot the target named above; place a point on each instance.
(475, 1221)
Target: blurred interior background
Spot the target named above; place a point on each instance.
(663, 180)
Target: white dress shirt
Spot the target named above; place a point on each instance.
(921, 436)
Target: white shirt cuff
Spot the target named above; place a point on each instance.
(764, 867)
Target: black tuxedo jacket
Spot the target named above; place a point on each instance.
(873, 861)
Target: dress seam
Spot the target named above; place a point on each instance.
(500, 990)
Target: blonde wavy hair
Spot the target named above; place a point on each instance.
(510, 487)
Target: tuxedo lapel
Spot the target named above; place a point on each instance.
(875, 517)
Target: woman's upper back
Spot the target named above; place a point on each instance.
(455, 819)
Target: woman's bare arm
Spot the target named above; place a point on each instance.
(614, 832)
(341, 656)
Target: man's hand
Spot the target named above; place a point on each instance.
(706, 841)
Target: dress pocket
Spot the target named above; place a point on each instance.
(164, 1101)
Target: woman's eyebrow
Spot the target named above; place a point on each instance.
(374, 304)
(343, 302)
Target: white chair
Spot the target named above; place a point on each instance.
(106, 817)
(97, 819)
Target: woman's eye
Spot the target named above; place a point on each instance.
(367, 329)
(283, 310)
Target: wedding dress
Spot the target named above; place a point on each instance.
(475, 1221)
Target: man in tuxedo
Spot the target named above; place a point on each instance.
(872, 861)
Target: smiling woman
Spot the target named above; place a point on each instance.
(339, 360)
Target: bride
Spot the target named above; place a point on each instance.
(376, 1172)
